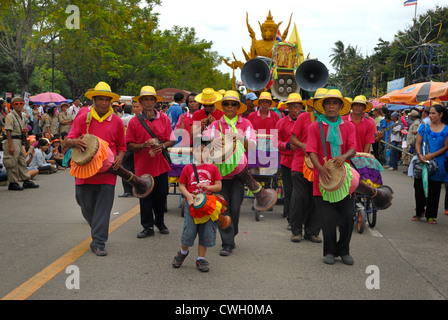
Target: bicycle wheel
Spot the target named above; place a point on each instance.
(361, 220)
(371, 214)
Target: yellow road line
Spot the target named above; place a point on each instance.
(26, 289)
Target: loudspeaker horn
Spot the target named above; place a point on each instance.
(256, 74)
(311, 75)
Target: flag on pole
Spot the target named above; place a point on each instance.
(295, 39)
(278, 37)
(410, 3)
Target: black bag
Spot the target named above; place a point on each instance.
(432, 164)
(165, 152)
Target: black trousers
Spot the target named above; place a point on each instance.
(233, 192)
(287, 189)
(128, 164)
(429, 205)
(152, 208)
(335, 216)
(302, 212)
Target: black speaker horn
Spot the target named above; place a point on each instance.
(256, 74)
(311, 75)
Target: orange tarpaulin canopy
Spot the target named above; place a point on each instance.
(415, 93)
(385, 98)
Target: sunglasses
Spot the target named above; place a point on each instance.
(18, 104)
(233, 104)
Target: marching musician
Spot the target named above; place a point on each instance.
(147, 135)
(365, 127)
(264, 120)
(294, 104)
(302, 210)
(340, 145)
(95, 195)
(232, 125)
(209, 182)
(209, 113)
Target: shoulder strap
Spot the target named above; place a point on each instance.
(322, 137)
(140, 118)
(196, 172)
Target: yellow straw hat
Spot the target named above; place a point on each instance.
(265, 96)
(319, 94)
(102, 89)
(231, 95)
(208, 97)
(333, 93)
(348, 99)
(363, 100)
(292, 98)
(147, 91)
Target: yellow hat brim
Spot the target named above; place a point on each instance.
(273, 103)
(345, 108)
(368, 105)
(158, 98)
(95, 93)
(215, 99)
(241, 109)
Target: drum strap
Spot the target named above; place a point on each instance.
(196, 172)
(322, 137)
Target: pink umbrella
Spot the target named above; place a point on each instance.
(47, 97)
(376, 103)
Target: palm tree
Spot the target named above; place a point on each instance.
(338, 55)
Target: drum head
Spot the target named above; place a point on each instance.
(228, 147)
(199, 200)
(308, 162)
(338, 176)
(82, 158)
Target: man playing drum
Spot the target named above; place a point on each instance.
(204, 117)
(302, 212)
(149, 158)
(336, 135)
(232, 125)
(95, 195)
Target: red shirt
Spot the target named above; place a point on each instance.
(300, 130)
(284, 127)
(314, 145)
(187, 119)
(365, 131)
(208, 175)
(264, 126)
(144, 163)
(110, 130)
(200, 114)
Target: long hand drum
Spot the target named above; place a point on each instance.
(98, 158)
(265, 199)
(345, 180)
(207, 207)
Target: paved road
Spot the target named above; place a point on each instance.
(39, 228)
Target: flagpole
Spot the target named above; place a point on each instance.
(415, 14)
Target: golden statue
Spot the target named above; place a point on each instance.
(268, 32)
(234, 65)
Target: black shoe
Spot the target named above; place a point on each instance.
(28, 184)
(15, 186)
(329, 258)
(163, 229)
(147, 232)
(226, 251)
(126, 195)
(202, 265)
(347, 259)
(100, 252)
(179, 259)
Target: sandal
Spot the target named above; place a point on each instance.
(432, 221)
(446, 212)
(416, 218)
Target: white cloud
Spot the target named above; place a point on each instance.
(320, 23)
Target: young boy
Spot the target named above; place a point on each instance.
(209, 182)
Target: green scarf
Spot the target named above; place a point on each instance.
(334, 135)
(232, 122)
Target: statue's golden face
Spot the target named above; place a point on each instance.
(268, 32)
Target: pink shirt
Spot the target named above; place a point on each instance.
(144, 163)
(244, 128)
(300, 130)
(110, 130)
(365, 131)
(314, 145)
(284, 127)
(208, 174)
(187, 119)
(264, 126)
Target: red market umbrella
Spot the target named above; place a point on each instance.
(441, 93)
(414, 93)
(48, 97)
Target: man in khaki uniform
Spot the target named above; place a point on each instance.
(14, 154)
(65, 120)
(50, 120)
